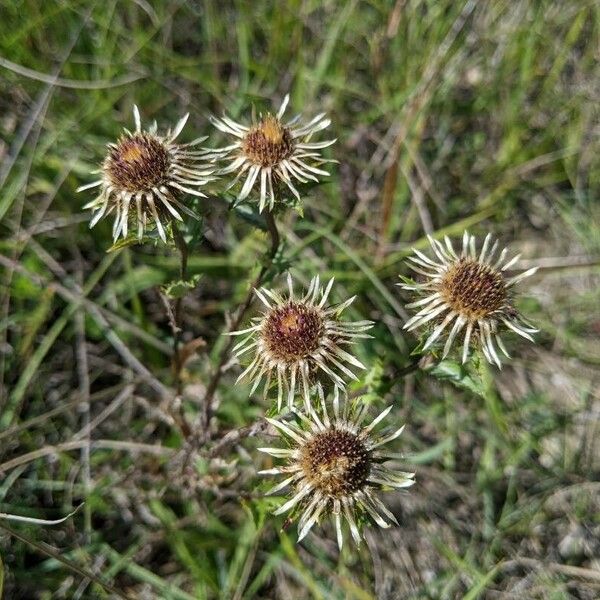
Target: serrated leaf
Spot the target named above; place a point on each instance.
(449, 370)
(376, 382)
(418, 349)
(177, 289)
(374, 374)
(194, 232)
(246, 213)
(406, 280)
(132, 240)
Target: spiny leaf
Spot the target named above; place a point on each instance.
(177, 289)
(133, 240)
(449, 370)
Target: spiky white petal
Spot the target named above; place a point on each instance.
(295, 372)
(314, 496)
(299, 162)
(185, 170)
(451, 315)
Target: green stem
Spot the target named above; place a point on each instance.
(492, 401)
(178, 329)
(183, 274)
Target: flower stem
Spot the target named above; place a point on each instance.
(183, 274)
(412, 366)
(274, 233)
(183, 250)
(235, 324)
(492, 401)
(178, 415)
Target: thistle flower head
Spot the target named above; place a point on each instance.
(334, 467)
(336, 462)
(137, 162)
(268, 143)
(270, 151)
(469, 291)
(295, 339)
(144, 177)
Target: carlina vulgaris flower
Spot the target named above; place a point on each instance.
(270, 151)
(468, 291)
(334, 465)
(296, 340)
(144, 177)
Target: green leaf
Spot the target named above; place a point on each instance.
(432, 453)
(375, 374)
(406, 280)
(449, 370)
(193, 233)
(131, 240)
(177, 289)
(376, 382)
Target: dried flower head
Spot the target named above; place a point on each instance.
(295, 339)
(271, 151)
(334, 466)
(469, 290)
(144, 177)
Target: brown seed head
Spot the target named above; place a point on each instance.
(336, 462)
(137, 163)
(268, 143)
(472, 289)
(292, 331)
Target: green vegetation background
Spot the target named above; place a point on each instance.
(449, 114)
